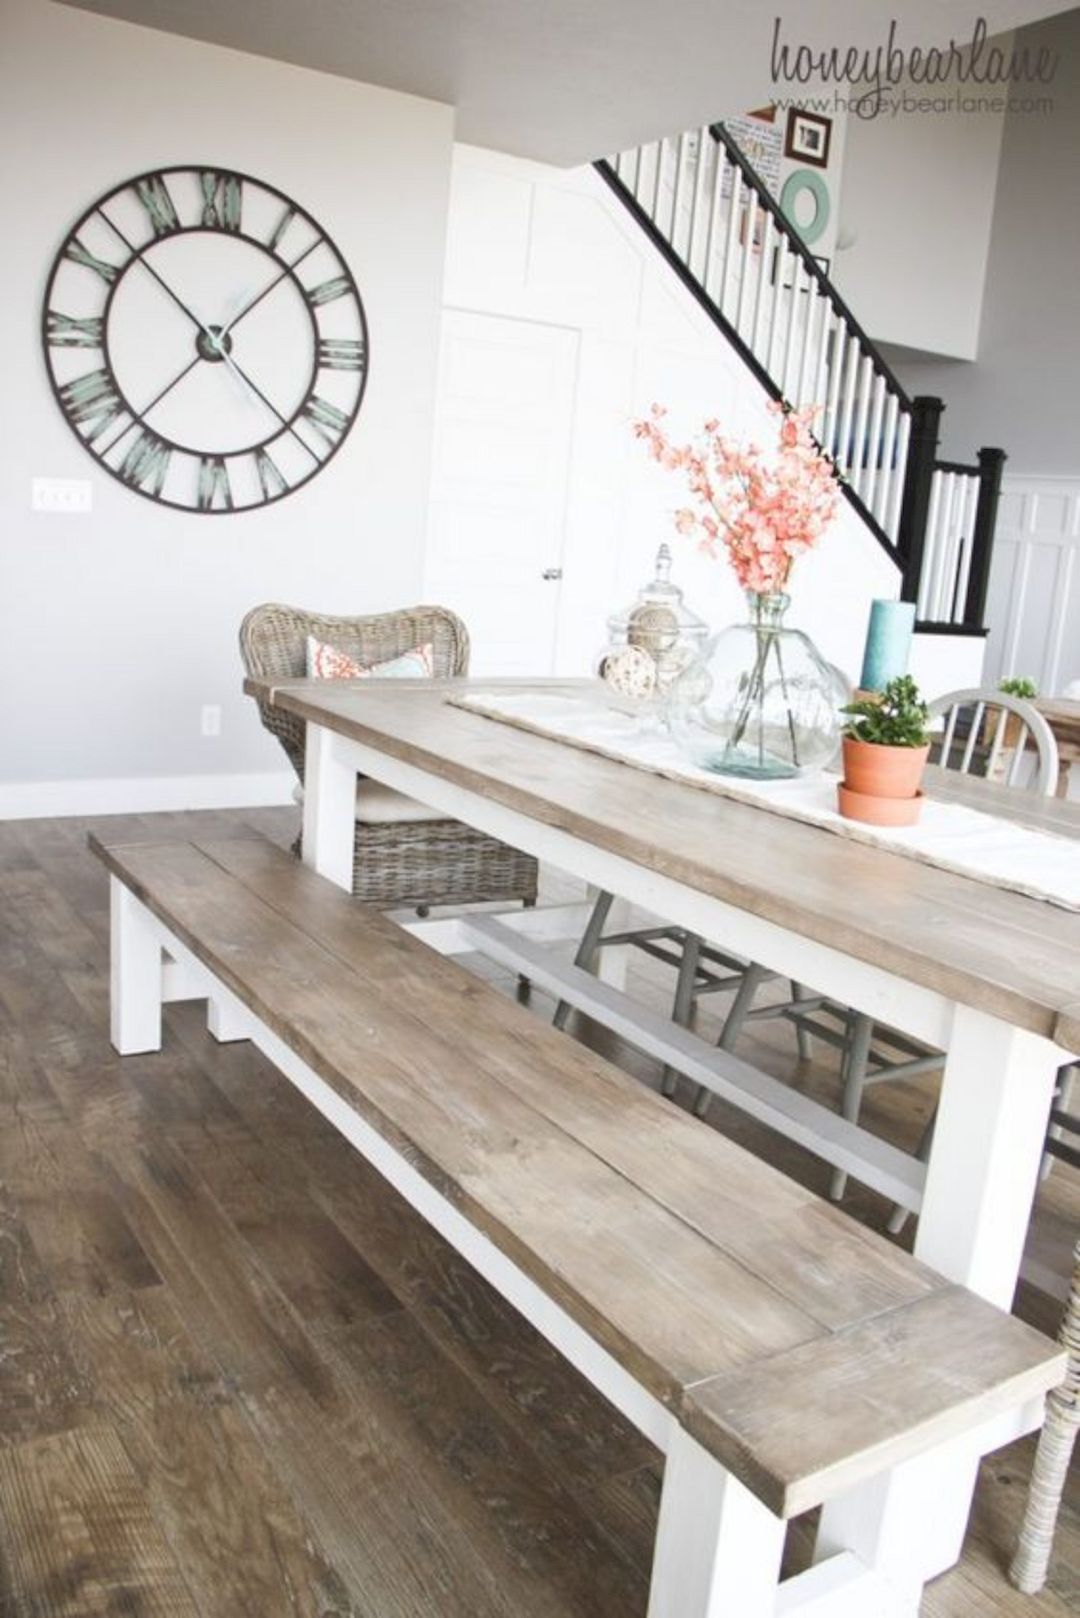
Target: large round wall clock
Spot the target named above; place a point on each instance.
(205, 339)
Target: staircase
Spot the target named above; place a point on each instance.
(717, 225)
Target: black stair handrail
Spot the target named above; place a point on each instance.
(795, 244)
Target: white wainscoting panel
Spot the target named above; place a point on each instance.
(1033, 605)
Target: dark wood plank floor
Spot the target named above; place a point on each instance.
(239, 1378)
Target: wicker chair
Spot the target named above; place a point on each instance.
(404, 854)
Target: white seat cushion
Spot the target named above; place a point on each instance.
(378, 805)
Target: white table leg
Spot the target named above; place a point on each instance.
(984, 1161)
(329, 806)
(135, 974)
(718, 1548)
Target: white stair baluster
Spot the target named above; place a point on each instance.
(746, 259)
(930, 548)
(697, 206)
(677, 192)
(766, 289)
(888, 451)
(862, 410)
(899, 472)
(712, 237)
(874, 446)
(794, 311)
(730, 236)
(658, 178)
(837, 357)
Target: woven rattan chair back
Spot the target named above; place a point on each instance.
(273, 645)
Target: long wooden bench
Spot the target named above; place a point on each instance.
(781, 1355)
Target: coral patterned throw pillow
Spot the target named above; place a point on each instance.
(328, 663)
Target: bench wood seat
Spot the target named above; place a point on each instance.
(801, 1350)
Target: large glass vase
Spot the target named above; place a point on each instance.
(761, 702)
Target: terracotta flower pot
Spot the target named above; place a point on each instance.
(875, 771)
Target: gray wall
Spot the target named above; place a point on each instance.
(1023, 392)
(119, 625)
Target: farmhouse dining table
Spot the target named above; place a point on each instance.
(989, 976)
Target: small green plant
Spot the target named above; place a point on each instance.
(897, 718)
(1019, 687)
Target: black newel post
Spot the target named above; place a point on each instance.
(991, 466)
(926, 414)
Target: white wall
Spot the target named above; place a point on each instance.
(918, 199)
(546, 246)
(117, 626)
(1021, 393)
(1033, 604)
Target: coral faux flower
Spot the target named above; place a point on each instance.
(764, 513)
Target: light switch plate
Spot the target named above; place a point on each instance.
(69, 496)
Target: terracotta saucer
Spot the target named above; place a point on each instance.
(878, 811)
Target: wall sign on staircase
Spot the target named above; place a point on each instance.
(205, 339)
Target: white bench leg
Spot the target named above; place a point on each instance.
(885, 1522)
(227, 1021)
(135, 974)
(718, 1548)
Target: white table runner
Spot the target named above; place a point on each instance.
(950, 835)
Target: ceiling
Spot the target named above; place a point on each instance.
(563, 81)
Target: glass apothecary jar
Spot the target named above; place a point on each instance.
(651, 642)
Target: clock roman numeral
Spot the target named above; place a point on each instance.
(341, 353)
(153, 193)
(271, 481)
(212, 491)
(145, 464)
(91, 401)
(328, 421)
(70, 331)
(222, 199)
(327, 291)
(78, 254)
(287, 217)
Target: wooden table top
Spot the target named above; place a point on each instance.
(1015, 957)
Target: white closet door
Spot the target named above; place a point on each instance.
(504, 418)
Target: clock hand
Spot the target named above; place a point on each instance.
(288, 270)
(232, 365)
(156, 400)
(150, 270)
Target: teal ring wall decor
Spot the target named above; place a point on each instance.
(794, 186)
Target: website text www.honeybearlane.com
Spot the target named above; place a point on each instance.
(893, 78)
(891, 104)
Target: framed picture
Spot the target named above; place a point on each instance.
(807, 137)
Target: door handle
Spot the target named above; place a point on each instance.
(551, 573)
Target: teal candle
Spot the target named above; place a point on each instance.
(888, 643)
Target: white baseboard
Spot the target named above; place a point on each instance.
(141, 794)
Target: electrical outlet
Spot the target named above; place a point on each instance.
(211, 719)
(68, 496)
